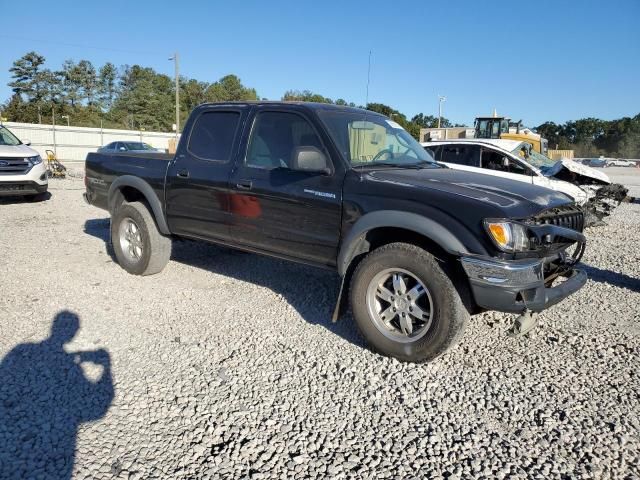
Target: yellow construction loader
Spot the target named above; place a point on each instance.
(504, 128)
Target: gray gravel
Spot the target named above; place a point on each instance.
(226, 365)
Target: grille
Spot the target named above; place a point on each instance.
(568, 217)
(14, 166)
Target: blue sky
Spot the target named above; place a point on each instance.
(536, 61)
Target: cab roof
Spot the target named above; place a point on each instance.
(310, 105)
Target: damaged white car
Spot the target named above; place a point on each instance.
(590, 188)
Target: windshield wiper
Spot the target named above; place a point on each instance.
(415, 166)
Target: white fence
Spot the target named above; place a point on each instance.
(73, 143)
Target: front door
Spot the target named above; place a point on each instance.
(505, 166)
(278, 209)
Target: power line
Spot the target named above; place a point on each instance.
(109, 49)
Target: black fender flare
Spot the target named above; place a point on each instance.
(149, 195)
(427, 227)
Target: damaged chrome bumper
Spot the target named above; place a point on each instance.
(516, 285)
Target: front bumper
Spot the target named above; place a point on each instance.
(517, 285)
(21, 188)
(32, 182)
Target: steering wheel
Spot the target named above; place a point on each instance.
(380, 153)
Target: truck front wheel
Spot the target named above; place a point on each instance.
(139, 246)
(405, 305)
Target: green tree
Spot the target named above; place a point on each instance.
(71, 83)
(305, 96)
(229, 88)
(51, 87)
(107, 84)
(26, 80)
(145, 101)
(88, 81)
(192, 94)
(430, 121)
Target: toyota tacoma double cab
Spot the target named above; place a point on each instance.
(419, 247)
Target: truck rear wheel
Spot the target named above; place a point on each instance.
(405, 305)
(138, 244)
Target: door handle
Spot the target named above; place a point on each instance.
(244, 184)
(183, 173)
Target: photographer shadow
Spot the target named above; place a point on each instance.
(45, 397)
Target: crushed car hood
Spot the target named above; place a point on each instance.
(583, 173)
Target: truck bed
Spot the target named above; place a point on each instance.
(102, 169)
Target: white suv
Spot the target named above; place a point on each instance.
(22, 171)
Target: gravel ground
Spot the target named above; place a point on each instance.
(226, 365)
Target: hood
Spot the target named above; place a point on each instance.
(17, 151)
(577, 169)
(514, 199)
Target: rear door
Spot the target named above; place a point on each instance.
(460, 156)
(197, 185)
(278, 209)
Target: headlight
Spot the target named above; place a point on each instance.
(34, 160)
(507, 235)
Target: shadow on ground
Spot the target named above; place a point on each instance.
(44, 398)
(10, 200)
(311, 291)
(612, 278)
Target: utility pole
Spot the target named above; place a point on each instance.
(53, 121)
(177, 74)
(441, 100)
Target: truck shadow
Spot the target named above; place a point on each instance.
(612, 278)
(312, 292)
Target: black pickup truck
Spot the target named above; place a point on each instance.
(418, 246)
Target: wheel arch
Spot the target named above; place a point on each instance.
(129, 188)
(372, 228)
(388, 226)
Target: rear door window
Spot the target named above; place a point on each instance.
(468, 155)
(213, 134)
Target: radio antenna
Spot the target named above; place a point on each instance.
(368, 80)
(366, 111)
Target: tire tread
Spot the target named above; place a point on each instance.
(451, 303)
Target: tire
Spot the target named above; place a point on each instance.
(140, 249)
(444, 315)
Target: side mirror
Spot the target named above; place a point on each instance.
(310, 159)
(26, 141)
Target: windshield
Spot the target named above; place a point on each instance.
(372, 139)
(536, 159)
(138, 146)
(8, 138)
